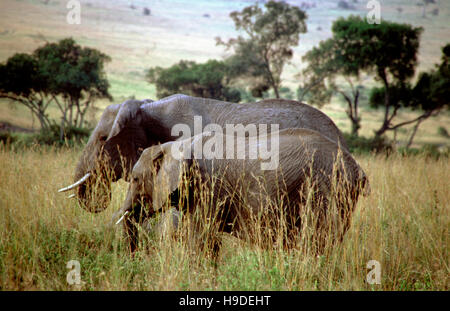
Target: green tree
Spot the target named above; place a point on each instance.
(202, 80)
(388, 51)
(430, 95)
(266, 46)
(22, 82)
(326, 64)
(76, 77)
(63, 73)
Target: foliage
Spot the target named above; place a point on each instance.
(63, 73)
(362, 145)
(430, 95)
(71, 135)
(443, 132)
(74, 73)
(22, 81)
(387, 50)
(49, 136)
(7, 137)
(202, 80)
(428, 151)
(325, 64)
(269, 36)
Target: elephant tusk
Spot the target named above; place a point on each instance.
(121, 218)
(82, 180)
(71, 196)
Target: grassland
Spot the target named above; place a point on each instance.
(403, 224)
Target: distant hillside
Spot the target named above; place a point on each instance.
(183, 29)
(171, 30)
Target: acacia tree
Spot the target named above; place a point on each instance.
(63, 73)
(325, 64)
(75, 76)
(21, 81)
(430, 95)
(269, 36)
(388, 51)
(203, 80)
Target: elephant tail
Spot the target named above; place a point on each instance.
(365, 186)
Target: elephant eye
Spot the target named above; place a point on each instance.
(103, 138)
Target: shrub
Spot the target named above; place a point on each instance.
(443, 132)
(7, 137)
(431, 151)
(48, 137)
(71, 135)
(359, 144)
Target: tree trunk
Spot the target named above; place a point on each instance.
(355, 127)
(61, 127)
(42, 121)
(275, 89)
(385, 124)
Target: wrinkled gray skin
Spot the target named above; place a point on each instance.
(124, 130)
(304, 155)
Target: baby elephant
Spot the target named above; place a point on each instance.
(308, 181)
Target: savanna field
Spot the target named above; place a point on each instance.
(403, 224)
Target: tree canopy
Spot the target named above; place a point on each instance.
(202, 80)
(387, 51)
(63, 73)
(430, 95)
(76, 74)
(266, 46)
(325, 66)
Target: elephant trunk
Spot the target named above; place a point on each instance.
(95, 194)
(92, 188)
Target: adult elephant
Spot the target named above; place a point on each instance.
(124, 130)
(312, 178)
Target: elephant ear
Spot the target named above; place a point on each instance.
(169, 175)
(127, 139)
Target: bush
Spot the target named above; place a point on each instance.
(443, 132)
(49, 137)
(71, 135)
(7, 137)
(432, 151)
(359, 144)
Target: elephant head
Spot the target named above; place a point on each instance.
(155, 176)
(112, 149)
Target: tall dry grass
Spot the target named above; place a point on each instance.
(403, 224)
